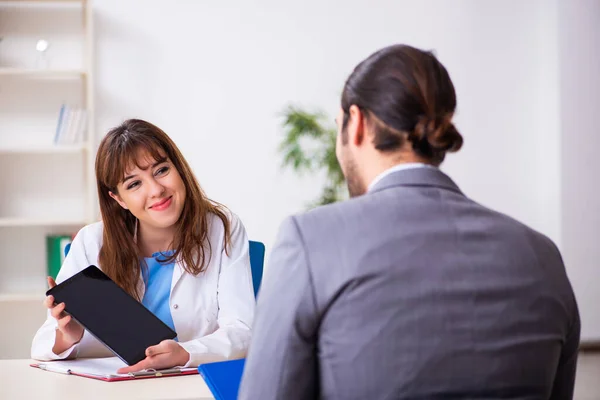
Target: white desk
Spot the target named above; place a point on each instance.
(20, 381)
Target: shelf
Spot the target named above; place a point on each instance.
(41, 3)
(50, 149)
(26, 296)
(31, 222)
(42, 73)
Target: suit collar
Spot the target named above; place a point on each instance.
(395, 168)
(416, 177)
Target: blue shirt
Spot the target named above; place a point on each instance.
(158, 279)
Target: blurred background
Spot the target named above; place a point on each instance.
(218, 78)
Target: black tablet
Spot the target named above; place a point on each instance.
(115, 318)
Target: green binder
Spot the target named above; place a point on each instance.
(55, 252)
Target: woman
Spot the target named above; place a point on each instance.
(184, 257)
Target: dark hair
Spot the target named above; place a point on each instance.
(119, 255)
(405, 94)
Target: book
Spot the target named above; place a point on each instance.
(55, 252)
(61, 116)
(105, 369)
(71, 126)
(223, 378)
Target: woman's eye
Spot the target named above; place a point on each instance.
(133, 185)
(162, 170)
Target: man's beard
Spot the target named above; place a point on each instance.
(353, 181)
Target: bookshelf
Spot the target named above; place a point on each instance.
(36, 73)
(15, 222)
(23, 4)
(48, 187)
(45, 149)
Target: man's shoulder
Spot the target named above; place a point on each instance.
(330, 218)
(320, 214)
(517, 229)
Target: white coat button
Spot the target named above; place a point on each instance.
(175, 306)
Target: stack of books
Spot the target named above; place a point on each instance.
(71, 125)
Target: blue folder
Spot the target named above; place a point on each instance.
(223, 378)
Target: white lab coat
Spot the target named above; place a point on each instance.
(212, 312)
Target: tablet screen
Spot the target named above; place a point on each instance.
(115, 318)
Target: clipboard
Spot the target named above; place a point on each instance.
(104, 369)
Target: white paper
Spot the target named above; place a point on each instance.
(103, 367)
(99, 367)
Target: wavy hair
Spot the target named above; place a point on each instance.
(120, 257)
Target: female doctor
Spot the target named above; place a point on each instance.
(167, 245)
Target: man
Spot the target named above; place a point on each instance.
(409, 290)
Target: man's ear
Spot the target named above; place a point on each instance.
(118, 199)
(356, 126)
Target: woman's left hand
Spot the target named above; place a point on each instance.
(166, 354)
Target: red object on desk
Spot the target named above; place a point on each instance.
(104, 369)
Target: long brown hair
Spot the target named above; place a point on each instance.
(120, 258)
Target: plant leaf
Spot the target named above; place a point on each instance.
(309, 146)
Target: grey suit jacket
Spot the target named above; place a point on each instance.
(412, 291)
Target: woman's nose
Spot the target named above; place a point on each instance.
(156, 189)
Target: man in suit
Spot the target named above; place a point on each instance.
(409, 290)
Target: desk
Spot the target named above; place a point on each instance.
(20, 381)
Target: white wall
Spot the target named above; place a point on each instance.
(215, 76)
(580, 107)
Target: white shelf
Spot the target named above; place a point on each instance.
(23, 297)
(41, 3)
(25, 222)
(42, 73)
(54, 192)
(50, 149)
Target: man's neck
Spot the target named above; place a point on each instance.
(379, 165)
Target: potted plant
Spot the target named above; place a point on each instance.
(308, 146)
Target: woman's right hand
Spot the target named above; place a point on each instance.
(69, 331)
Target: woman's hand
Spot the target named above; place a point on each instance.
(166, 354)
(69, 331)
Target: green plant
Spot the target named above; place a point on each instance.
(308, 146)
